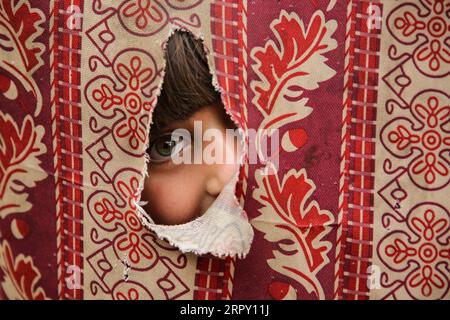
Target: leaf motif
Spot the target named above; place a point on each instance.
(291, 66)
(24, 26)
(20, 275)
(19, 163)
(296, 224)
(20, 54)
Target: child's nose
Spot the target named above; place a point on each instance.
(214, 186)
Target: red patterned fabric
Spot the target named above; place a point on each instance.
(358, 90)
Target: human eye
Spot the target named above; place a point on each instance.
(165, 146)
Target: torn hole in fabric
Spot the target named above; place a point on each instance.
(223, 229)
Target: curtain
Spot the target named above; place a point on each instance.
(359, 206)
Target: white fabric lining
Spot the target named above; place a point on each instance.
(223, 230)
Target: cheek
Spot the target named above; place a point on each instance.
(233, 150)
(227, 171)
(173, 198)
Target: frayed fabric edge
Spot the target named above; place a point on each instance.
(147, 221)
(145, 218)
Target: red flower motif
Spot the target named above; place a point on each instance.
(136, 134)
(407, 22)
(108, 211)
(135, 71)
(399, 251)
(135, 247)
(135, 75)
(144, 12)
(130, 191)
(421, 248)
(143, 17)
(119, 215)
(106, 98)
(429, 169)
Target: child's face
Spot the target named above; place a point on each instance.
(179, 193)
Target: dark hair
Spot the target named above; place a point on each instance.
(187, 84)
